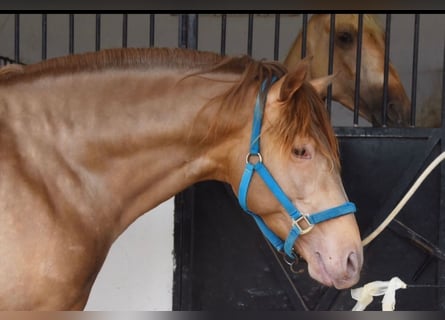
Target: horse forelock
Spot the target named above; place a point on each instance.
(119, 58)
(304, 115)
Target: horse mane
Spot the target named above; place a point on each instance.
(304, 114)
(116, 58)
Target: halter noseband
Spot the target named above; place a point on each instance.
(301, 223)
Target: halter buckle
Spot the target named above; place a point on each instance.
(303, 224)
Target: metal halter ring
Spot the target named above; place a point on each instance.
(250, 155)
(293, 263)
(288, 260)
(293, 267)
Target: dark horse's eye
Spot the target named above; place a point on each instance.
(301, 153)
(345, 38)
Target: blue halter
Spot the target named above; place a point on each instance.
(301, 224)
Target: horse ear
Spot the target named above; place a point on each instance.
(294, 78)
(291, 82)
(320, 84)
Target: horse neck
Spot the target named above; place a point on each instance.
(129, 137)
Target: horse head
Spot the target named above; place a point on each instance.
(300, 151)
(345, 55)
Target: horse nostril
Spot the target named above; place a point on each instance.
(352, 264)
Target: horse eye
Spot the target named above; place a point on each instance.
(345, 38)
(301, 153)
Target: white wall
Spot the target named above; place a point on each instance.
(138, 272)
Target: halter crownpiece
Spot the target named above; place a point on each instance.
(301, 224)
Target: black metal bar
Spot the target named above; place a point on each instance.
(151, 40)
(71, 34)
(17, 37)
(276, 49)
(441, 227)
(182, 32)
(183, 249)
(44, 36)
(374, 132)
(192, 31)
(124, 30)
(420, 241)
(386, 69)
(223, 33)
(98, 24)
(330, 62)
(414, 71)
(358, 69)
(250, 35)
(188, 31)
(304, 36)
(421, 269)
(443, 97)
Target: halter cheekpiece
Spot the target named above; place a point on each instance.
(301, 224)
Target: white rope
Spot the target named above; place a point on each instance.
(405, 199)
(364, 295)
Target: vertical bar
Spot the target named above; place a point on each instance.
(304, 36)
(188, 31)
(44, 36)
(98, 18)
(415, 68)
(152, 31)
(223, 33)
(17, 37)
(443, 101)
(124, 30)
(276, 49)
(330, 62)
(441, 236)
(182, 32)
(358, 68)
(250, 35)
(71, 34)
(192, 31)
(386, 69)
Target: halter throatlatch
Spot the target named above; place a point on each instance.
(301, 224)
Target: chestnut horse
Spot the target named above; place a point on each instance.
(344, 59)
(90, 142)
